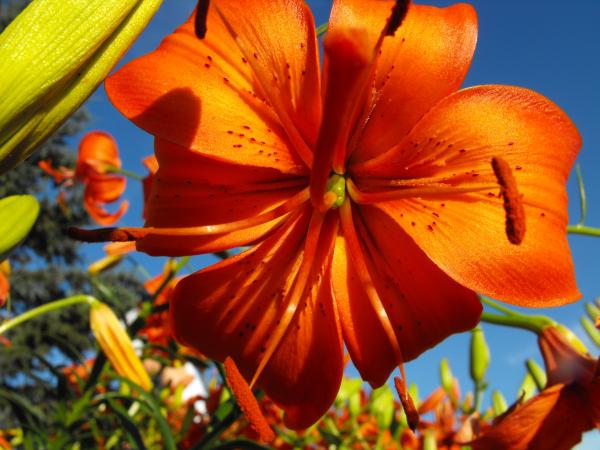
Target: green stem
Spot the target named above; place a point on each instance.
(321, 29)
(496, 306)
(531, 323)
(52, 306)
(124, 172)
(584, 230)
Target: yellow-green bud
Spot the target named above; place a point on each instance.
(527, 388)
(572, 338)
(499, 404)
(592, 310)
(429, 441)
(52, 57)
(591, 330)
(537, 373)
(18, 213)
(480, 355)
(446, 378)
(381, 406)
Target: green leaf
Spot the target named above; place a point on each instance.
(129, 425)
(18, 213)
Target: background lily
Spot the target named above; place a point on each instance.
(97, 158)
(558, 416)
(375, 206)
(52, 57)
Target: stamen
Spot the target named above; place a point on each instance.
(247, 402)
(398, 14)
(133, 234)
(513, 203)
(200, 19)
(348, 62)
(310, 249)
(412, 415)
(358, 260)
(427, 190)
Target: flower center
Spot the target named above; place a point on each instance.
(335, 190)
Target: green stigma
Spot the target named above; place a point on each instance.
(337, 185)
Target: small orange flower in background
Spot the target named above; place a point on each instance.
(377, 202)
(4, 283)
(97, 154)
(558, 416)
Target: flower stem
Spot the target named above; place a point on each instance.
(321, 29)
(584, 230)
(531, 323)
(52, 306)
(124, 172)
(496, 306)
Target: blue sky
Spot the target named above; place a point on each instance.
(549, 46)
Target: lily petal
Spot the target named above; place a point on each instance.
(242, 299)
(280, 43)
(464, 234)
(423, 304)
(555, 418)
(191, 190)
(210, 104)
(426, 60)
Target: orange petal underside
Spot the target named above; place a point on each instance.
(426, 60)
(464, 234)
(423, 304)
(242, 300)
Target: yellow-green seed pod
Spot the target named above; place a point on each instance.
(499, 404)
(52, 57)
(116, 345)
(591, 330)
(18, 213)
(480, 355)
(537, 373)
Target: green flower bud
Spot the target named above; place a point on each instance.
(381, 406)
(52, 57)
(446, 378)
(429, 441)
(18, 213)
(537, 373)
(499, 404)
(572, 338)
(480, 355)
(592, 310)
(528, 387)
(591, 330)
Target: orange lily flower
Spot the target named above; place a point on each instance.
(558, 416)
(371, 199)
(97, 152)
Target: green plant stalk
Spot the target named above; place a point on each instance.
(583, 230)
(321, 29)
(531, 323)
(40, 310)
(124, 172)
(493, 304)
(582, 196)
